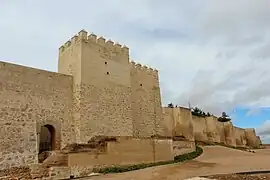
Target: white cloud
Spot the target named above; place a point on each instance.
(264, 132)
(253, 111)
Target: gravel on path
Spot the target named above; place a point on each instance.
(240, 177)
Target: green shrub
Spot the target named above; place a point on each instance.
(177, 159)
(199, 112)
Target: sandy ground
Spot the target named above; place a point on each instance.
(239, 177)
(214, 160)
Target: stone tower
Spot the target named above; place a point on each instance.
(101, 86)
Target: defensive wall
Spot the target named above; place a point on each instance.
(112, 95)
(31, 98)
(98, 91)
(120, 151)
(179, 121)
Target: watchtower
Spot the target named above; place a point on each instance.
(101, 85)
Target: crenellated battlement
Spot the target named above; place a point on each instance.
(109, 45)
(143, 67)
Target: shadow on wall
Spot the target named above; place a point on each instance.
(47, 139)
(178, 123)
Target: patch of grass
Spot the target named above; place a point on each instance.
(177, 159)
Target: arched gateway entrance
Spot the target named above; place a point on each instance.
(47, 138)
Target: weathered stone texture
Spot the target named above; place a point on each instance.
(251, 137)
(108, 112)
(168, 121)
(240, 137)
(183, 147)
(111, 95)
(200, 128)
(99, 92)
(146, 103)
(102, 91)
(178, 122)
(123, 151)
(16, 173)
(259, 141)
(97, 96)
(220, 129)
(212, 129)
(229, 134)
(30, 98)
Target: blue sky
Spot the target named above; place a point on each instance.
(214, 54)
(258, 118)
(247, 118)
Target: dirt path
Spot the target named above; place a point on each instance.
(214, 160)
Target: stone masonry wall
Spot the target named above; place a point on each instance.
(183, 147)
(125, 151)
(106, 89)
(240, 137)
(146, 102)
(200, 128)
(251, 138)
(220, 129)
(30, 98)
(179, 122)
(229, 134)
(102, 92)
(213, 131)
(168, 121)
(259, 141)
(69, 63)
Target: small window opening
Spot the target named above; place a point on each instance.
(108, 73)
(105, 62)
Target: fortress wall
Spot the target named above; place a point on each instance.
(146, 102)
(178, 122)
(179, 125)
(125, 151)
(213, 129)
(207, 129)
(103, 87)
(30, 98)
(240, 137)
(199, 128)
(168, 121)
(69, 63)
(163, 150)
(251, 137)
(220, 129)
(183, 123)
(183, 147)
(229, 134)
(259, 141)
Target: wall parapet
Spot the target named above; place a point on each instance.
(83, 35)
(143, 67)
(209, 129)
(239, 128)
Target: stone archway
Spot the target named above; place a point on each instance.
(47, 138)
(52, 128)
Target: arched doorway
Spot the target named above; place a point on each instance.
(47, 139)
